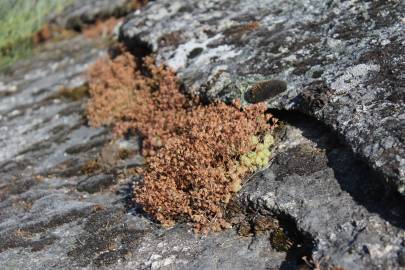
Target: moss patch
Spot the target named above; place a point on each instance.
(91, 167)
(260, 155)
(197, 155)
(74, 94)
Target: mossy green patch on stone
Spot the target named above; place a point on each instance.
(74, 94)
(280, 241)
(260, 156)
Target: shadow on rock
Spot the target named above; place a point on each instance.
(366, 186)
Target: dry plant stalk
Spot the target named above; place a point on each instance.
(192, 151)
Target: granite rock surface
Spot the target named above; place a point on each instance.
(341, 62)
(331, 71)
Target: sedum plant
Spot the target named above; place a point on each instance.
(196, 155)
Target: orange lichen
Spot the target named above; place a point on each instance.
(192, 150)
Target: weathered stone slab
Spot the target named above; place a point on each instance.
(342, 61)
(320, 185)
(80, 13)
(48, 218)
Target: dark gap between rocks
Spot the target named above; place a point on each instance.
(302, 247)
(366, 186)
(136, 46)
(253, 219)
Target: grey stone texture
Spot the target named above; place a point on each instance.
(342, 61)
(331, 71)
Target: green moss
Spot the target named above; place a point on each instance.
(19, 20)
(74, 94)
(280, 241)
(124, 153)
(260, 156)
(91, 166)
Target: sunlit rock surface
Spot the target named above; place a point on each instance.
(332, 72)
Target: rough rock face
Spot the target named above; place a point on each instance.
(79, 13)
(332, 196)
(59, 212)
(65, 187)
(342, 61)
